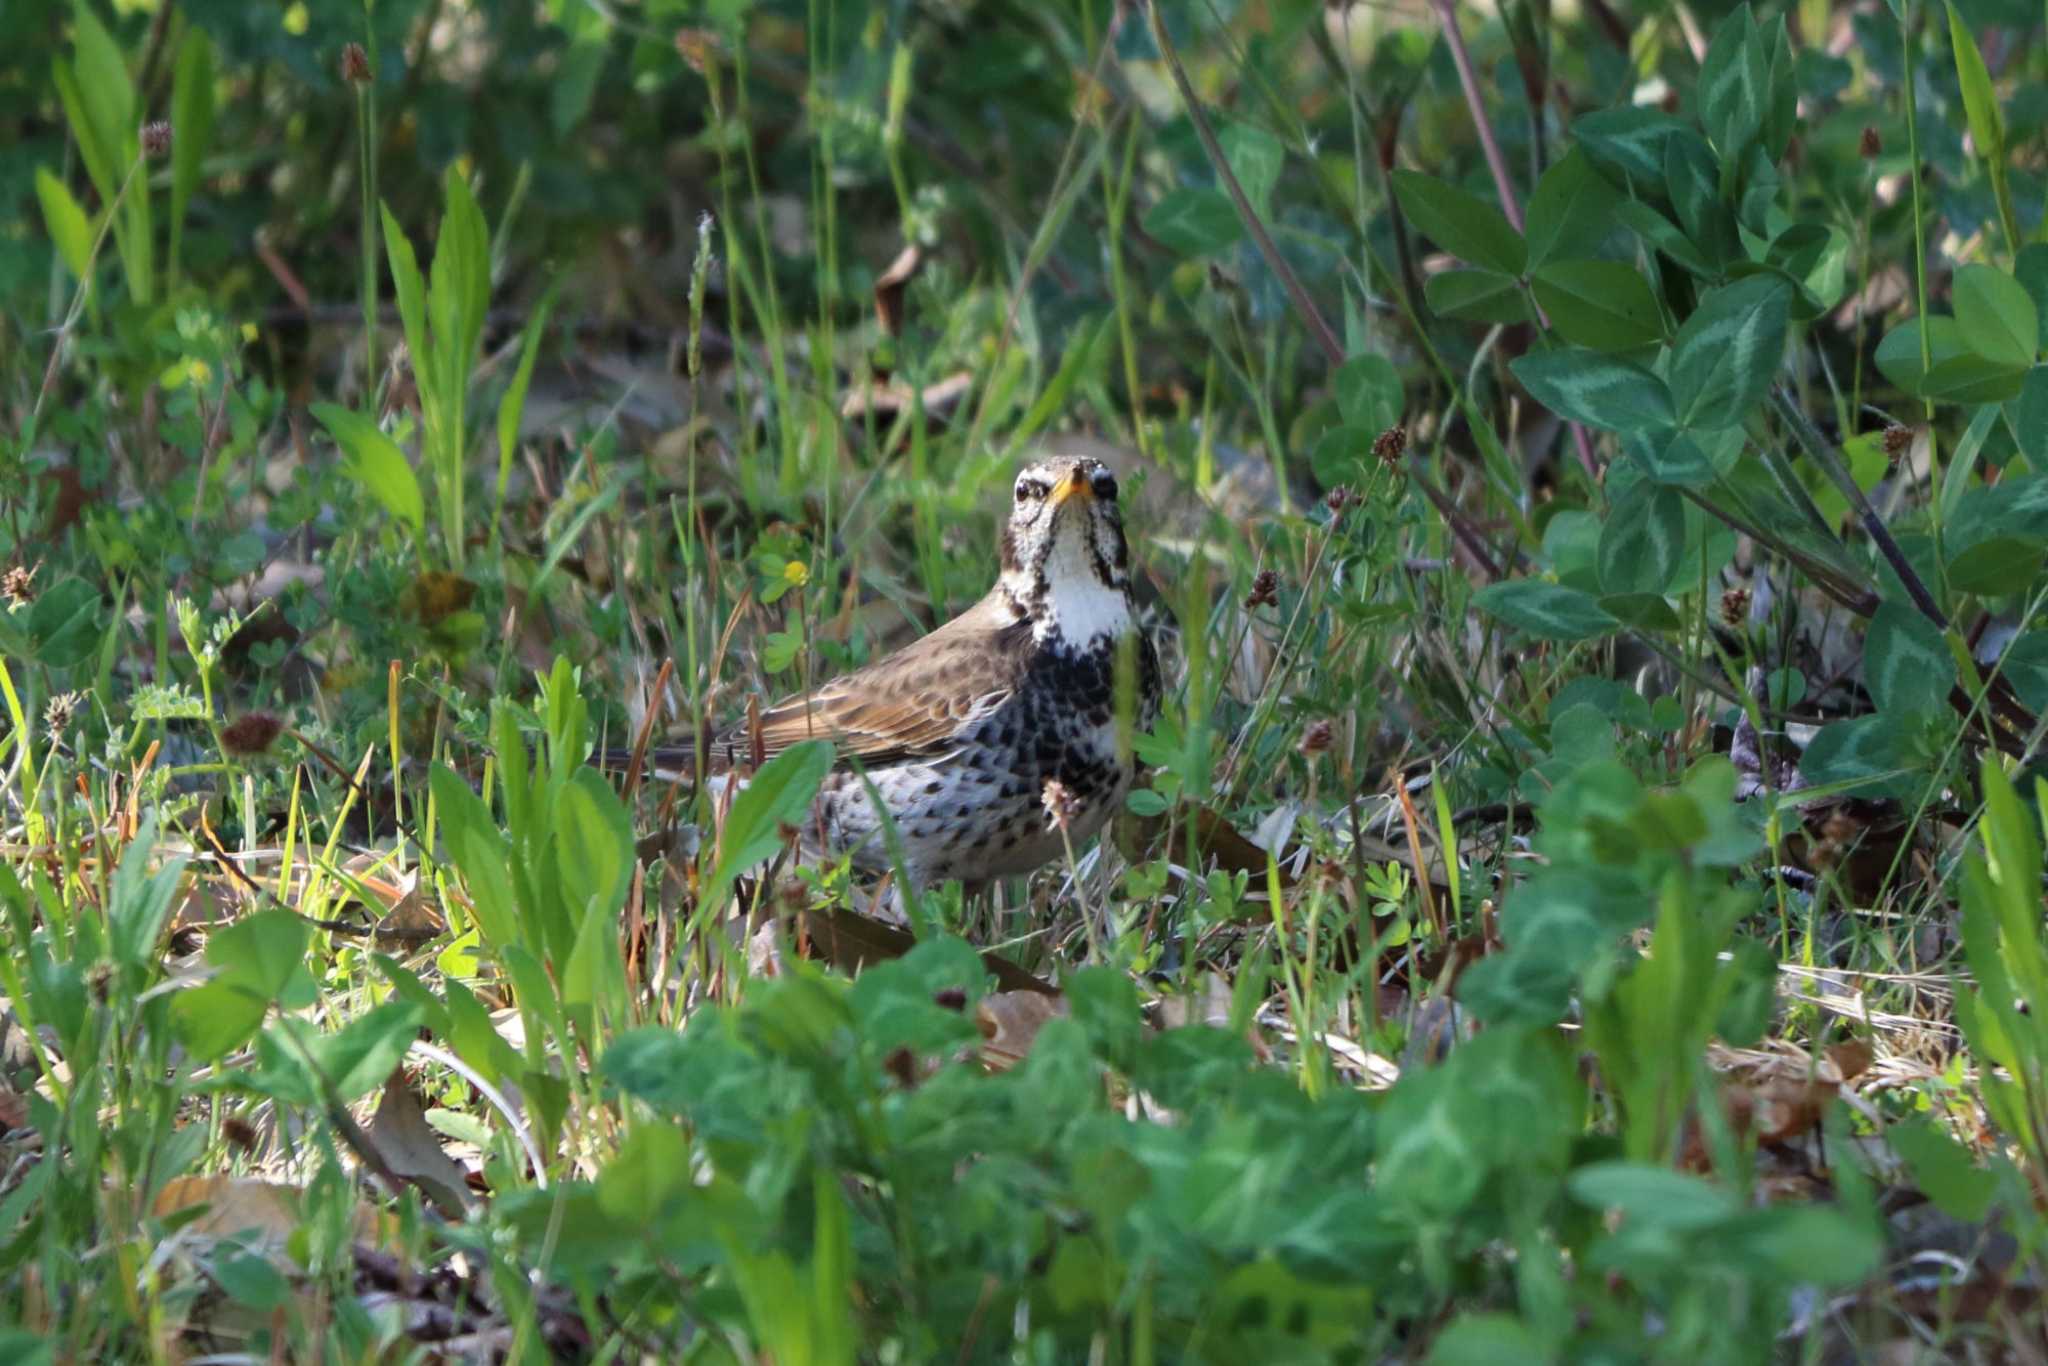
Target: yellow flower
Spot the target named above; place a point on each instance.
(248, 332)
(796, 573)
(296, 18)
(197, 372)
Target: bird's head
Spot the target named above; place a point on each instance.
(1065, 563)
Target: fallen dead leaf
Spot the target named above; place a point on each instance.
(889, 287)
(411, 1149)
(1009, 1022)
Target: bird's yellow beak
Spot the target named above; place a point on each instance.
(1075, 485)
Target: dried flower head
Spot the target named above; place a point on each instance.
(156, 139)
(1265, 591)
(1340, 498)
(1735, 608)
(1390, 445)
(1317, 738)
(1062, 807)
(1871, 144)
(58, 711)
(697, 47)
(1898, 438)
(250, 733)
(18, 585)
(355, 64)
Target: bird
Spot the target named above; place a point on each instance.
(993, 742)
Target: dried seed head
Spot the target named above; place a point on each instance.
(1339, 498)
(58, 711)
(99, 980)
(250, 733)
(1265, 591)
(156, 139)
(1735, 608)
(18, 585)
(1062, 807)
(1871, 144)
(1317, 738)
(1898, 438)
(355, 64)
(697, 47)
(1390, 445)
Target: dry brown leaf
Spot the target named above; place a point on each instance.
(238, 1205)
(889, 287)
(886, 401)
(850, 942)
(412, 1150)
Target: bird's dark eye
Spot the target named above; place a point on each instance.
(1029, 490)
(1105, 484)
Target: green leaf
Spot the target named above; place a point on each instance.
(1644, 611)
(1255, 157)
(1628, 144)
(2026, 664)
(1467, 227)
(1980, 103)
(192, 115)
(410, 287)
(2027, 417)
(257, 958)
(1995, 566)
(355, 1059)
(1195, 221)
(1661, 235)
(1474, 295)
(1957, 374)
(1548, 611)
(1599, 390)
(1602, 304)
(1642, 540)
(1734, 83)
(1655, 1197)
(1943, 1169)
(1475, 1339)
(1342, 455)
(66, 223)
(1906, 663)
(1996, 315)
(777, 795)
(1572, 211)
(513, 404)
(1369, 393)
(1852, 753)
(2030, 268)
(1728, 351)
(375, 462)
(1692, 179)
(63, 626)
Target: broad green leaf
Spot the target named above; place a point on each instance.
(1255, 157)
(1944, 1169)
(2026, 664)
(1548, 611)
(777, 795)
(513, 405)
(1728, 351)
(1343, 455)
(357, 1058)
(1906, 664)
(2030, 268)
(375, 462)
(1572, 211)
(479, 851)
(1662, 235)
(1369, 394)
(1996, 316)
(1194, 221)
(1687, 459)
(1995, 565)
(1602, 304)
(1858, 752)
(1657, 1197)
(257, 959)
(1474, 295)
(66, 222)
(1957, 373)
(411, 289)
(1644, 611)
(1642, 540)
(64, 624)
(1467, 227)
(1599, 390)
(1692, 180)
(2027, 417)
(1734, 83)
(1628, 144)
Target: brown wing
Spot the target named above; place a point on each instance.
(905, 706)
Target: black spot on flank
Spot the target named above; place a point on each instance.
(931, 789)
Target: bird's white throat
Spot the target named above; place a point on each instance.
(1077, 606)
